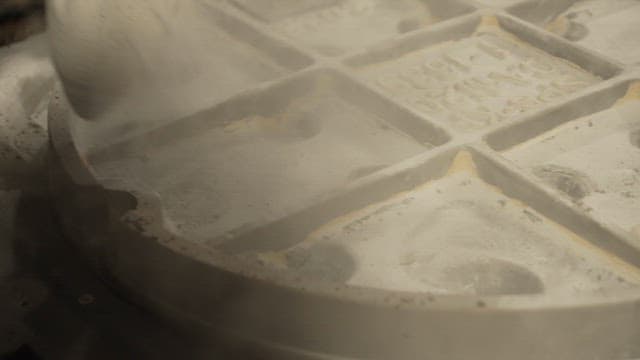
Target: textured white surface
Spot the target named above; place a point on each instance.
(26, 77)
(501, 252)
(459, 235)
(595, 160)
(354, 23)
(473, 83)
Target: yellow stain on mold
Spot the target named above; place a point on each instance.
(463, 162)
(489, 23)
(633, 94)
(559, 26)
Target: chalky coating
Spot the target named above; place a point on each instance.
(447, 174)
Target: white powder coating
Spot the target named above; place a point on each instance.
(277, 156)
(350, 24)
(9, 201)
(262, 167)
(595, 160)
(478, 81)
(275, 10)
(456, 235)
(498, 3)
(608, 26)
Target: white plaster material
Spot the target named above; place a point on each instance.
(607, 26)
(457, 235)
(26, 78)
(594, 160)
(259, 166)
(337, 27)
(470, 84)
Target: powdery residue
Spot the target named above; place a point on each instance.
(475, 82)
(263, 167)
(595, 160)
(352, 24)
(270, 10)
(463, 162)
(457, 235)
(632, 94)
(607, 26)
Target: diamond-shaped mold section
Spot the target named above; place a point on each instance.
(456, 235)
(606, 26)
(593, 159)
(336, 27)
(477, 73)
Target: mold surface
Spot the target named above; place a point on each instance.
(270, 10)
(497, 3)
(337, 27)
(325, 178)
(567, 180)
(595, 160)
(607, 26)
(246, 165)
(458, 235)
(471, 83)
(161, 70)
